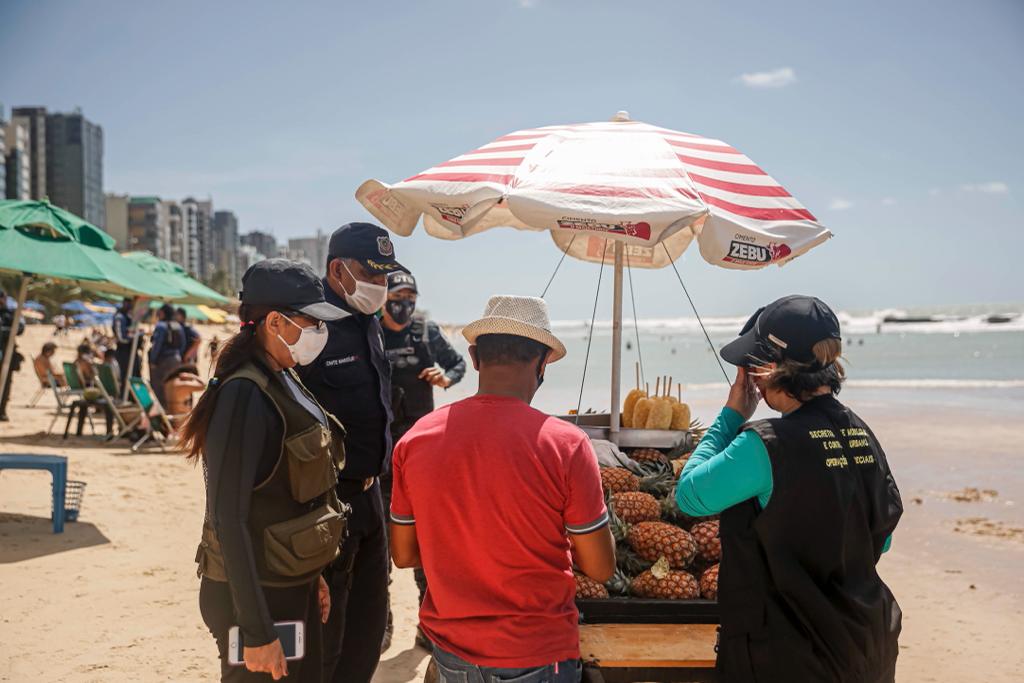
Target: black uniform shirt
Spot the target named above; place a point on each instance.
(351, 378)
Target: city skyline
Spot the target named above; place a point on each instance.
(901, 141)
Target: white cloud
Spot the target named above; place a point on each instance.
(991, 187)
(840, 204)
(888, 201)
(778, 78)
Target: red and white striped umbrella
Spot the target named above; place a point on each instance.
(592, 183)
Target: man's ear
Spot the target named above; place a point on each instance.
(472, 357)
(547, 359)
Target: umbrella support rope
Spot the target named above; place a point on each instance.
(711, 344)
(590, 337)
(557, 267)
(636, 325)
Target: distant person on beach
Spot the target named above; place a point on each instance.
(421, 358)
(110, 360)
(808, 505)
(271, 455)
(83, 364)
(352, 379)
(500, 601)
(44, 367)
(123, 334)
(60, 325)
(167, 350)
(6, 327)
(193, 341)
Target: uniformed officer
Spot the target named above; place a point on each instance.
(123, 335)
(421, 359)
(352, 379)
(808, 506)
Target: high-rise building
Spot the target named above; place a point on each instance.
(74, 165)
(178, 240)
(197, 218)
(149, 226)
(263, 242)
(225, 246)
(117, 219)
(17, 161)
(311, 250)
(34, 121)
(248, 255)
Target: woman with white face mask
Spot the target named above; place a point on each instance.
(271, 456)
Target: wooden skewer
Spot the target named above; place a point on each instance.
(637, 365)
(668, 387)
(647, 389)
(657, 387)
(679, 388)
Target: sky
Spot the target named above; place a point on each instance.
(898, 124)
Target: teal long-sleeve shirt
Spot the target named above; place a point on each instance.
(726, 469)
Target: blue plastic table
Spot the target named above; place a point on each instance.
(58, 467)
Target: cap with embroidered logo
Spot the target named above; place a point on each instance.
(786, 329)
(367, 243)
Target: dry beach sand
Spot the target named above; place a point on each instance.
(114, 598)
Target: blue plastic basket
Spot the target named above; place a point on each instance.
(74, 491)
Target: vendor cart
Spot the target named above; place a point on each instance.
(629, 195)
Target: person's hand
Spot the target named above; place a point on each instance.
(267, 658)
(436, 377)
(324, 594)
(743, 396)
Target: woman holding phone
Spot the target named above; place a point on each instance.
(807, 504)
(270, 456)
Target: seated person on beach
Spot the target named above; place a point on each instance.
(808, 505)
(83, 363)
(506, 608)
(178, 388)
(110, 360)
(43, 364)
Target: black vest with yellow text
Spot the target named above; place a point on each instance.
(799, 596)
(295, 520)
(409, 355)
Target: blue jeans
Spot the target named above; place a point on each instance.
(452, 669)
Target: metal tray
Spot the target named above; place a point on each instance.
(596, 426)
(640, 611)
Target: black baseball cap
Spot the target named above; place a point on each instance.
(400, 280)
(282, 283)
(786, 329)
(367, 243)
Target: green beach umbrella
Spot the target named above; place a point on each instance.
(174, 275)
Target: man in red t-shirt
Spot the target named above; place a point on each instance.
(496, 500)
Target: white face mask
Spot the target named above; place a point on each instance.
(311, 342)
(368, 297)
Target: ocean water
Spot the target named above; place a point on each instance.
(960, 359)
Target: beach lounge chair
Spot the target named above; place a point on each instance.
(74, 393)
(127, 414)
(146, 398)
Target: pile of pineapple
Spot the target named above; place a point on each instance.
(661, 552)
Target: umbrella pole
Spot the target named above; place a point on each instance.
(5, 370)
(135, 348)
(613, 433)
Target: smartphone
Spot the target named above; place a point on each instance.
(292, 635)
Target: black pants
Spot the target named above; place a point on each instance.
(359, 594)
(16, 360)
(298, 603)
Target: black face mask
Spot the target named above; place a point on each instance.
(401, 310)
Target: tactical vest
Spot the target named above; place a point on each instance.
(295, 518)
(411, 397)
(799, 597)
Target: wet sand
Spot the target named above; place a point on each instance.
(116, 598)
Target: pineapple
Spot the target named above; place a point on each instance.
(619, 584)
(663, 583)
(671, 513)
(588, 589)
(647, 455)
(619, 480)
(633, 507)
(628, 562)
(709, 583)
(658, 479)
(652, 540)
(709, 545)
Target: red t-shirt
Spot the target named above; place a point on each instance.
(494, 487)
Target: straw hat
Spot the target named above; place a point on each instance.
(522, 316)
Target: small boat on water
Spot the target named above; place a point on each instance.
(997, 318)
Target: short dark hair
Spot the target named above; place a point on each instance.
(167, 311)
(49, 347)
(109, 353)
(83, 349)
(508, 348)
(182, 312)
